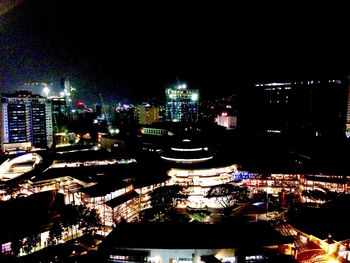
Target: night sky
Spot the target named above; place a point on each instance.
(136, 50)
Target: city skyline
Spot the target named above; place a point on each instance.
(125, 51)
(173, 133)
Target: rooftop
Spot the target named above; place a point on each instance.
(102, 189)
(189, 236)
(121, 199)
(330, 219)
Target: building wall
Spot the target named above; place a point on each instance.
(26, 120)
(178, 255)
(48, 123)
(182, 105)
(112, 143)
(152, 115)
(146, 115)
(157, 255)
(199, 181)
(226, 121)
(312, 107)
(156, 131)
(348, 110)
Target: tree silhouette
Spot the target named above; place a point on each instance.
(72, 215)
(84, 218)
(55, 233)
(227, 194)
(164, 200)
(92, 221)
(31, 242)
(16, 246)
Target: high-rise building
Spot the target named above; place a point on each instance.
(348, 111)
(59, 113)
(313, 107)
(181, 104)
(26, 121)
(146, 115)
(59, 106)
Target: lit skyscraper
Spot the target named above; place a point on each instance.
(26, 121)
(181, 104)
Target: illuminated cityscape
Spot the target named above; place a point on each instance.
(170, 136)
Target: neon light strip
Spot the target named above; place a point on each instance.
(187, 150)
(187, 160)
(272, 84)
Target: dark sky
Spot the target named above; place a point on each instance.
(137, 49)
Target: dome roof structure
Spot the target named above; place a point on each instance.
(187, 152)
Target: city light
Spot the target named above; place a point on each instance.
(180, 160)
(46, 91)
(272, 84)
(194, 97)
(187, 150)
(114, 131)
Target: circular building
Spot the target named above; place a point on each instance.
(196, 168)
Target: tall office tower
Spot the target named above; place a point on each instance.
(59, 106)
(181, 104)
(26, 121)
(59, 113)
(312, 107)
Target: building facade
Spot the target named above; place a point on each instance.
(146, 115)
(227, 121)
(348, 111)
(311, 107)
(197, 169)
(181, 104)
(26, 121)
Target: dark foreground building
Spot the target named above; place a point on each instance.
(170, 242)
(311, 107)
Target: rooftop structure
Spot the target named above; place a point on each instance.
(187, 152)
(191, 242)
(15, 167)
